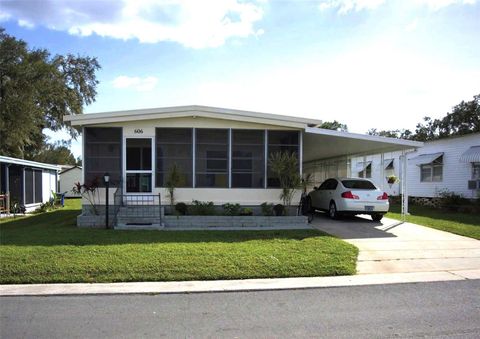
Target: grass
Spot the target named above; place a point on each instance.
(48, 248)
(459, 223)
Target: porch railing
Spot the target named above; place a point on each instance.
(137, 207)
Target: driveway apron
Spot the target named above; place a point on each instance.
(391, 247)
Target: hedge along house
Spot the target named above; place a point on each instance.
(26, 183)
(222, 153)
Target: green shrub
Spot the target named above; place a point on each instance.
(451, 200)
(279, 210)
(231, 209)
(181, 208)
(246, 211)
(267, 209)
(202, 208)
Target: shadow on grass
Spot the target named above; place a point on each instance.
(58, 228)
(429, 212)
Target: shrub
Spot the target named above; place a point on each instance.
(267, 209)
(451, 200)
(231, 209)
(181, 208)
(202, 208)
(279, 210)
(246, 211)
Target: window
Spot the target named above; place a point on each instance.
(211, 158)
(281, 141)
(368, 172)
(33, 186)
(476, 170)
(248, 158)
(432, 172)
(174, 146)
(358, 184)
(330, 184)
(103, 147)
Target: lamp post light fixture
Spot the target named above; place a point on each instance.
(106, 178)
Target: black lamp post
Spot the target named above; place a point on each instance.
(106, 178)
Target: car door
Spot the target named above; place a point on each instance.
(329, 192)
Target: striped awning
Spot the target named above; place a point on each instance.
(387, 163)
(424, 159)
(471, 155)
(362, 165)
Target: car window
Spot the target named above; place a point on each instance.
(323, 185)
(330, 184)
(358, 184)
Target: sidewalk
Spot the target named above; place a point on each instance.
(233, 285)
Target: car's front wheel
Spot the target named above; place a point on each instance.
(332, 210)
(377, 217)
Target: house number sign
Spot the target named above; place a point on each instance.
(138, 131)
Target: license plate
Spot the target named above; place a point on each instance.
(369, 208)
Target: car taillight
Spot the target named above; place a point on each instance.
(349, 195)
(384, 196)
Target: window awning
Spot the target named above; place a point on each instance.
(387, 163)
(424, 159)
(362, 165)
(471, 155)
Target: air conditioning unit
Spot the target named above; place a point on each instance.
(473, 184)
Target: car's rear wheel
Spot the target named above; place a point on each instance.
(377, 217)
(332, 210)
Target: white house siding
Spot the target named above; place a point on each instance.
(455, 173)
(48, 185)
(68, 180)
(246, 196)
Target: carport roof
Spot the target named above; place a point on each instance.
(320, 144)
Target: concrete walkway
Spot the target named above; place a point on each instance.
(387, 247)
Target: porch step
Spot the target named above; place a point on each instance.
(139, 227)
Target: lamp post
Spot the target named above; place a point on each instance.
(106, 178)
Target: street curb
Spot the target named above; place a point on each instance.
(232, 285)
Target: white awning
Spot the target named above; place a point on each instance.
(387, 163)
(362, 165)
(424, 159)
(471, 155)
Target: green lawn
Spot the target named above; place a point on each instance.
(48, 248)
(454, 222)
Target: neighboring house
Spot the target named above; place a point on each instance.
(222, 153)
(28, 183)
(450, 164)
(68, 176)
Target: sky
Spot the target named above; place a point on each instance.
(381, 64)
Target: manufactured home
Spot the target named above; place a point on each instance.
(445, 165)
(26, 183)
(222, 154)
(68, 177)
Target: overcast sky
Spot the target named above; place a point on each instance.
(367, 63)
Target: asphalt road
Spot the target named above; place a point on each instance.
(446, 309)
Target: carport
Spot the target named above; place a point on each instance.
(327, 153)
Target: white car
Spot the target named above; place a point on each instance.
(349, 196)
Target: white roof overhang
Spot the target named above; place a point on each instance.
(424, 159)
(189, 111)
(319, 144)
(29, 163)
(471, 155)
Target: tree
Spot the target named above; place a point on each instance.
(56, 153)
(334, 125)
(174, 179)
(36, 90)
(396, 133)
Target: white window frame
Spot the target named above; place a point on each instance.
(435, 164)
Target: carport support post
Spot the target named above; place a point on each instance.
(382, 170)
(404, 186)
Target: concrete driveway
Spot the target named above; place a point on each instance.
(387, 247)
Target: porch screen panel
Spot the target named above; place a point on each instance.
(103, 153)
(29, 187)
(284, 142)
(174, 146)
(211, 158)
(248, 158)
(15, 184)
(38, 185)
